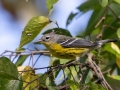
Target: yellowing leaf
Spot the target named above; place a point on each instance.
(118, 32)
(115, 47)
(28, 75)
(118, 62)
(117, 50)
(115, 77)
(32, 29)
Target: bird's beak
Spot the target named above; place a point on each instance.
(38, 42)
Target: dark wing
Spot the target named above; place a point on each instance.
(75, 43)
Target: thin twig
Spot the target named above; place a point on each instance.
(37, 60)
(29, 60)
(32, 60)
(99, 22)
(14, 58)
(110, 27)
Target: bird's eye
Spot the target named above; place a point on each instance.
(47, 38)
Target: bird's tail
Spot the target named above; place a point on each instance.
(101, 42)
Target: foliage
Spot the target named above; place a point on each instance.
(103, 24)
(32, 29)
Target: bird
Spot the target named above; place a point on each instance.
(66, 47)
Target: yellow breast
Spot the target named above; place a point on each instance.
(66, 53)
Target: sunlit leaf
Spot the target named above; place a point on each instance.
(73, 73)
(115, 47)
(73, 87)
(115, 77)
(7, 69)
(32, 29)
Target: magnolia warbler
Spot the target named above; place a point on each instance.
(66, 47)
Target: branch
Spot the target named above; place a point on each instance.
(98, 73)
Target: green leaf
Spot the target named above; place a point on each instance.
(32, 29)
(71, 16)
(90, 5)
(72, 85)
(51, 88)
(58, 31)
(104, 3)
(87, 76)
(43, 79)
(115, 7)
(118, 1)
(74, 73)
(50, 4)
(63, 61)
(114, 50)
(110, 32)
(6, 84)
(93, 86)
(118, 32)
(97, 15)
(21, 60)
(51, 80)
(56, 62)
(14, 85)
(7, 69)
(114, 81)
